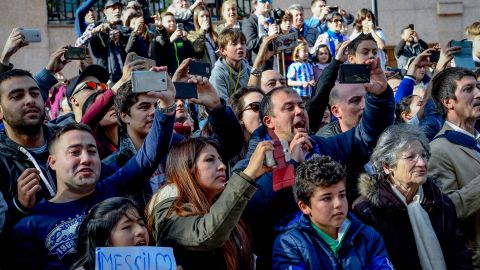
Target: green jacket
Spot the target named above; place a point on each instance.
(198, 240)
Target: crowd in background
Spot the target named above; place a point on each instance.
(381, 173)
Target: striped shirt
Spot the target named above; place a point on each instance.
(303, 72)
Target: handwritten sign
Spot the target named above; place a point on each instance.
(134, 258)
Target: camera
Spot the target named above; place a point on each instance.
(122, 29)
(276, 15)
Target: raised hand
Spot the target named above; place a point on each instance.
(378, 80)
(256, 166)
(165, 98)
(57, 60)
(14, 42)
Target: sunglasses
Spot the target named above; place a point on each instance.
(90, 86)
(254, 106)
(265, 1)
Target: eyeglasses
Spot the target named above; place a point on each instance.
(254, 106)
(414, 158)
(265, 1)
(90, 86)
(336, 20)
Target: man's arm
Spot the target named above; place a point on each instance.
(399, 48)
(318, 103)
(80, 14)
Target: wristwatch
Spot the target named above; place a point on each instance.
(256, 72)
(169, 110)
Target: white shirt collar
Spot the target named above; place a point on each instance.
(475, 135)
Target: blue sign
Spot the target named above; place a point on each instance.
(135, 258)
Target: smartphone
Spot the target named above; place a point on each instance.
(180, 27)
(464, 57)
(333, 9)
(354, 73)
(280, 154)
(185, 90)
(145, 81)
(75, 53)
(31, 35)
(411, 26)
(148, 62)
(199, 68)
(435, 56)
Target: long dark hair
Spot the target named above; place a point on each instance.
(96, 228)
(182, 171)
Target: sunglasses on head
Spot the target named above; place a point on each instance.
(90, 86)
(254, 106)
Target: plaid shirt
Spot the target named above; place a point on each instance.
(303, 72)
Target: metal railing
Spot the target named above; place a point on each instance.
(63, 11)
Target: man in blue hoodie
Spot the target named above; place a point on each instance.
(46, 239)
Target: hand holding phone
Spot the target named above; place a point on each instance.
(31, 35)
(463, 58)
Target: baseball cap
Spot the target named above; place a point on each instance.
(113, 2)
(92, 70)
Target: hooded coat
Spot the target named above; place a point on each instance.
(380, 208)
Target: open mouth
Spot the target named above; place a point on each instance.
(141, 243)
(299, 124)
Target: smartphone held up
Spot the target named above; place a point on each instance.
(146, 81)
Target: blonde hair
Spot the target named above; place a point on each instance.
(472, 30)
(301, 46)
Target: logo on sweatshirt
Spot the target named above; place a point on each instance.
(62, 239)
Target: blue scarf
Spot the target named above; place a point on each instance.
(332, 37)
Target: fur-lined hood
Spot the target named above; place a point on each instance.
(377, 191)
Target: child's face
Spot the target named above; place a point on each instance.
(130, 230)
(303, 54)
(366, 50)
(235, 50)
(169, 23)
(322, 55)
(328, 207)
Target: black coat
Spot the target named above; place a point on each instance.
(380, 208)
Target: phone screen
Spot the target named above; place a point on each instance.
(464, 57)
(354, 73)
(75, 53)
(199, 68)
(185, 90)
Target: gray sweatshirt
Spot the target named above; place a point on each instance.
(224, 78)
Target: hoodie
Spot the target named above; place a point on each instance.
(227, 80)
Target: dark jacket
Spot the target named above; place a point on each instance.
(106, 53)
(138, 44)
(12, 164)
(403, 52)
(250, 30)
(380, 208)
(166, 53)
(300, 247)
(330, 129)
(268, 209)
(317, 105)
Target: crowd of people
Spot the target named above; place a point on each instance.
(383, 174)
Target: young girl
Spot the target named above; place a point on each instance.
(322, 59)
(114, 222)
(300, 73)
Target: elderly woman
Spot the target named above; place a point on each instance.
(418, 223)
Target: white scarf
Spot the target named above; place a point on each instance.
(429, 250)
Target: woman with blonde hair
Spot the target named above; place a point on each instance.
(230, 16)
(198, 212)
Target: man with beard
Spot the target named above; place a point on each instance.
(455, 160)
(25, 178)
(107, 45)
(284, 118)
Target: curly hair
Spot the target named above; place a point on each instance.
(319, 171)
